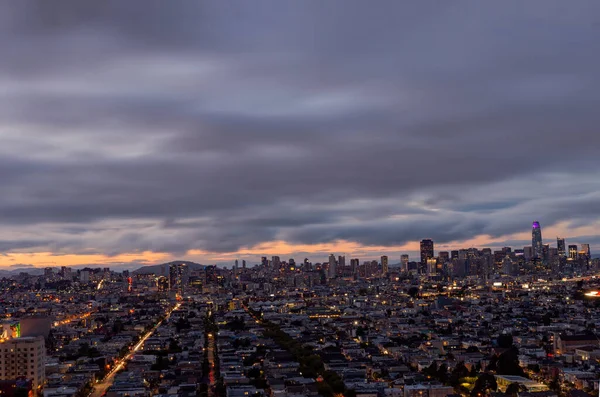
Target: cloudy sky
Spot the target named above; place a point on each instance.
(141, 131)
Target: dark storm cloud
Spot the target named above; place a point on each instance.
(135, 126)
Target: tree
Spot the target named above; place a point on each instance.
(182, 324)
(21, 392)
(513, 389)
(254, 372)
(160, 364)
(442, 373)
(460, 371)
(508, 363)
(431, 370)
(413, 292)
(83, 350)
(555, 384)
(484, 383)
(174, 346)
(117, 326)
(473, 371)
(505, 341)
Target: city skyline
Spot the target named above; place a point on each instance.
(301, 131)
(392, 257)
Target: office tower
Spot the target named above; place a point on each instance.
(553, 258)
(384, 265)
(235, 266)
(276, 263)
(264, 261)
(585, 248)
(48, 273)
(84, 276)
(373, 268)
(179, 277)
(332, 270)
(426, 252)
(560, 245)
(23, 357)
(545, 252)
(341, 265)
(528, 252)
(354, 264)
(65, 273)
(431, 267)
(454, 254)
(291, 265)
(172, 277)
(536, 240)
(306, 265)
(487, 262)
(243, 264)
(444, 256)
(573, 251)
(175, 276)
(404, 263)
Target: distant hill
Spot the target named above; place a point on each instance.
(15, 271)
(163, 269)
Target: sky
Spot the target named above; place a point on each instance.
(136, 132)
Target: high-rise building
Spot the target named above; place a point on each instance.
(373, 268)
(306, 265)
(454, 254)
(573, 251)
(341, 265)
(404, 263)
(426, 251)
(536, 240)
(264, 261)
(560, 245)
(527, 252)
(332, 269)
(585, 248)
(173, 276)
(276, 263)
(48, 273)
(431, 267)
(354, 265)
(384, 265)
(84, 276)
(179, 277)
(23, 357)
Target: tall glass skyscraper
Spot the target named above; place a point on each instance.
(536, 240)
(426, 252)
(561, 247)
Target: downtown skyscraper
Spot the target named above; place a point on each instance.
(561, 247)
(536, 240)
(427, 252)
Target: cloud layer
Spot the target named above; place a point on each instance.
(131, 127)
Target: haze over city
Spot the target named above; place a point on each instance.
(211, 131)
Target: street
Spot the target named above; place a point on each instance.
(102, 387)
